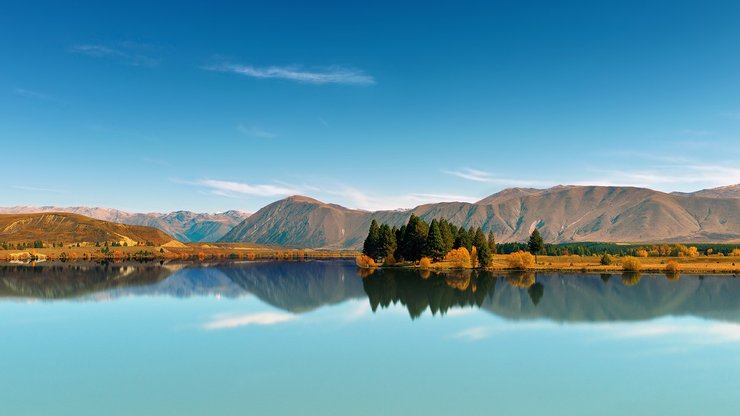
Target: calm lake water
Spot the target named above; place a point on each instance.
(291, 338)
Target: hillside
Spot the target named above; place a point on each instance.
(73, 228)
(184, 225)
(562, 214)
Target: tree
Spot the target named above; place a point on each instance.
(386, 242)
(448, 234)
(463, 240)
(435, 244)
(481, 244)
(372, 242)
(535, 244)
(414, 239)
(491, 242)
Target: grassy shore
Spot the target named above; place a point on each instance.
(592, 264)
(180, 251)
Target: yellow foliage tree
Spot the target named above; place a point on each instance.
(643, 253)
(459, 257)
(631, 264)
(735, 252)
(365, 262)
(520, 260)
(425, 263)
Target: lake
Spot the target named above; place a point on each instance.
(321, 338)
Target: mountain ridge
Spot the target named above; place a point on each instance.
(565, 213)
(186, 226)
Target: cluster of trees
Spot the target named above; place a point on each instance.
(418, 239)
(22, 246)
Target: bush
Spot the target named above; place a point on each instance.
(365, 262)
(606, 259)
(672, 267)
(641, 253)
(459, 257)
(631, 264)
(425, 263)
(735, 252)
(520, 260)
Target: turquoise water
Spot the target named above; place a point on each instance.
(316, 338)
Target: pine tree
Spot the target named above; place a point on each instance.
(535, 243)
(435, 244)
(386, 242)
(492, 242)
(481, 244)
(414, 239)
(370, 247)
(448, 234)
(463, 239)
(400, 234)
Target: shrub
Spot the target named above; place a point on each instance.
(425, 263)
(365, 262)
(641, 253)
(631, 264)
(672, 267)
(520, 260)
(735, 252)
(606, 259)
(459, 257)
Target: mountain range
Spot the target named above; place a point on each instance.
(562, 214)
(185, 226)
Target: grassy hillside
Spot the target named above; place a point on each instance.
(58, 227)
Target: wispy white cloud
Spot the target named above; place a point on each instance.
(475, 333)
(363, 200)
(319, 76)
(254, 131)
(235, 321)
(124, 52)
(672, 176)
(698, 332)
(232, 188)
(36, 189)
(476, 175)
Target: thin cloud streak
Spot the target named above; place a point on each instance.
(126, 54)
(476, 175)
(235, 321)
(330, 75)
(231, 188)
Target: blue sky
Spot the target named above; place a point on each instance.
(369, 105)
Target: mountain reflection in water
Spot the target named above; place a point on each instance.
(300, 287)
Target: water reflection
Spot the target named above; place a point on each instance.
(300, 287)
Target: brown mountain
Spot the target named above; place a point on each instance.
(73, 228)
(562, 214)
(183, 225)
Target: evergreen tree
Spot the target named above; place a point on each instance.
(535, 243)
(414, 239)
(491, 242)
(463, 239)
(372, 242)
(448, 235)
(387, 242)
(481, 244)
(400, 245)
(435, 244)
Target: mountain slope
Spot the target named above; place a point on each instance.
(73, 228)
(183, 225)
(562, 214)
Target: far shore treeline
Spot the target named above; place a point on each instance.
(439, 240)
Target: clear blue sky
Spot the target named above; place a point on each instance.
(370, 105)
